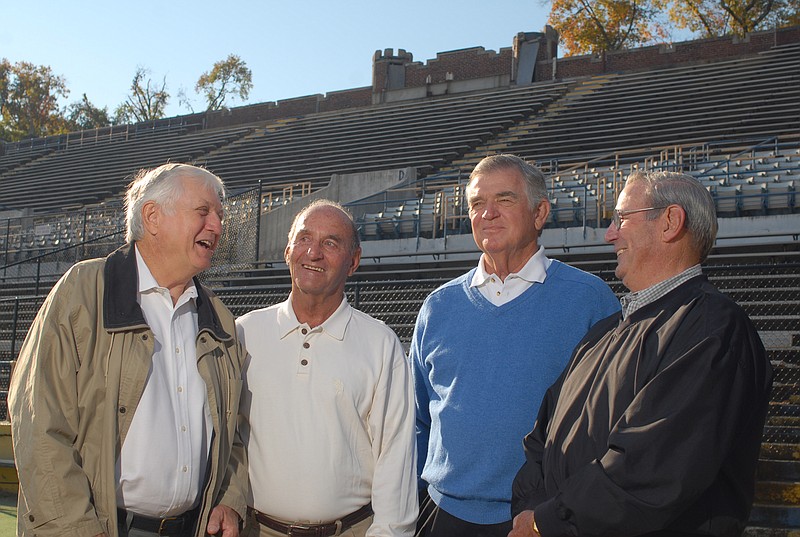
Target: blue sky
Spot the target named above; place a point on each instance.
(293, 48)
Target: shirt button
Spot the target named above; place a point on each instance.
(185, 468)
(177, 350)
(183, 428)
(304, 331)
(180, 389)
(306, 345)
(498, 293)
(303, 362)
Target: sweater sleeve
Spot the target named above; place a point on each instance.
(422, 388)
(670, 443)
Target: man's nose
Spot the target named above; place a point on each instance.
(490, 211)
(314, 250)
(611, 233)
(214, 223)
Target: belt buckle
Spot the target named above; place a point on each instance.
(292, 527)
(161, 528)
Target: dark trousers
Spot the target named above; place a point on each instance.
(436, 522)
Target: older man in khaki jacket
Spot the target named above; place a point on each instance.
(124, 398)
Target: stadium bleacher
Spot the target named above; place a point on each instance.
(99, 170)
(733, 123)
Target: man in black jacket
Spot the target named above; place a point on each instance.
(654, 427)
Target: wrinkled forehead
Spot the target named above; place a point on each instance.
(633, 195)
(323, 219)
(193, 189)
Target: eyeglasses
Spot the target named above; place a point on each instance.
(620, 215)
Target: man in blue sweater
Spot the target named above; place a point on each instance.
(486, 347)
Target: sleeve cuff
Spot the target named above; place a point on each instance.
(552, 518)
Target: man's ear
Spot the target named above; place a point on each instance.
(355, 261)
(542, 212)
(674, 223)
(151, 217)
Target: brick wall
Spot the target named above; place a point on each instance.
(255, 113)
(659, 56)
(477, 62)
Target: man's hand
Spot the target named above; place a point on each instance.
(523, 526)
(225, 520)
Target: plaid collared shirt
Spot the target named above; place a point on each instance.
(633, 301)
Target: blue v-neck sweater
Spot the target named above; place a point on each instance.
(480, 373)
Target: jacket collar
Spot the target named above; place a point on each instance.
(121, 310)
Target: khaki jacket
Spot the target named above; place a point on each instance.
(78, 380)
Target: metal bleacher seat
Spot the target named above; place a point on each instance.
(368, 226)
(408, 224)
(752, 198)
(781, 197)
(389, 223)
(427, 215)
(727, 199)
(562, 206)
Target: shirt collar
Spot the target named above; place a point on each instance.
(335, 325)
(147, 281)
(634, 301)
(534, 270)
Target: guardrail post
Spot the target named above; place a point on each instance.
(38, 273)
(14, 316)
(258, 220)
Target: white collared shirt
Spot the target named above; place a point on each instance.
(329, 418)
(499, 292)
(162, 466)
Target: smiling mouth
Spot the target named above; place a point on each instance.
(315, 269)
(208, 245)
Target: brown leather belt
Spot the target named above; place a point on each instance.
(314, 530)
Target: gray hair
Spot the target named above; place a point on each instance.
(671, 188)
(535, 185)
(160, 185)
(355, 243)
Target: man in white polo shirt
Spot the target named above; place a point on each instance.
(328, 401)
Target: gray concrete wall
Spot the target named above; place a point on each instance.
(345, 188)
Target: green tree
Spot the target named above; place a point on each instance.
(715, 18)
(83, 115)
(29, 101)
(145, 102)
(588, 26)
(228, 77)
(702, 17)
(5, 75)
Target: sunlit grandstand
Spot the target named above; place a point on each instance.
(399, 153)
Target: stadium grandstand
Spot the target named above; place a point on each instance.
(398, 154)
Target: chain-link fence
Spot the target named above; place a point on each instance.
(767, 286)
(35, 251)
(769, 292)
